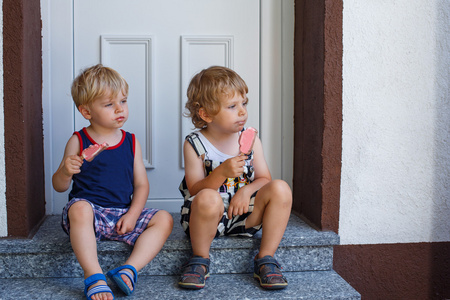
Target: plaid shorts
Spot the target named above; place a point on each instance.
(105, 220)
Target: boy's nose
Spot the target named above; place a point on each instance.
(242, 110)
(119, 107)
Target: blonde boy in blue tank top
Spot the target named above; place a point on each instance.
(109, 193)
(226, 192)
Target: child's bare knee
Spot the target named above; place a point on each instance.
(165, 218)
(281, 191)
(80, 210)
(208, 201)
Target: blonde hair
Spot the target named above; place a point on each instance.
(208, 87)
(97, 81)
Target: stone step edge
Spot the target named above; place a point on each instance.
(302, 285)
(165, 263)
(51, 239)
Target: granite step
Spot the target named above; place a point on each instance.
(49, 254)
(45, 268)
(302, 285)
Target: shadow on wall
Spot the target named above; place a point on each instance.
(441, 196)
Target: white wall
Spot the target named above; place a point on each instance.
(3, 220)
(395, 183)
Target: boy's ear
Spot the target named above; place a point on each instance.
(204, 115)
(85, 112)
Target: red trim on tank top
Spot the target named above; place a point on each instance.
(109, 148)
(80, 140)
(134, 143)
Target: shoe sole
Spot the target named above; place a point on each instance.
(277, 286)
(193, 286)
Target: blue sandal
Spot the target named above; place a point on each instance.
(194, 276)
(115, 275)
(267, 270)
(97, 289)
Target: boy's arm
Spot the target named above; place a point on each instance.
(140, 184)
(196, 179)
(194, 170)
(70, 165)
(239, 203)
(140, 193)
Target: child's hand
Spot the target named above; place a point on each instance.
(125, 224)
(233, 167)
(72, 165)
(238, 204)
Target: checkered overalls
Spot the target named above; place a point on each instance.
(236, 225)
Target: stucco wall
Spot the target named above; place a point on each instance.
(395, 183)
(3, 220)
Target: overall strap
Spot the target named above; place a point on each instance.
(196, 143)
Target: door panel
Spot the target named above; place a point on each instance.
(158, 46)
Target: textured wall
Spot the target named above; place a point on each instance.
(3, 223)
(396, 271)
(22, 77)
(395, 183)
(317, 111)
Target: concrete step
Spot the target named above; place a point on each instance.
(302, 285)
(49, 254)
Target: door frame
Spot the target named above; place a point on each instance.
(21, 155)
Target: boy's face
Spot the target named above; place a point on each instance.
(107, 111)
(232, 115)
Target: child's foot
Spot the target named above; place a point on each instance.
(267, 271)
(100, 296)
(195, 273)
(96, 288)
(125, 277)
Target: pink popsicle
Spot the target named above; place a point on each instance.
(93, 150)
(246, 140)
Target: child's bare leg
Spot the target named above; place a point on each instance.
(84, 244)
(150, 242)
(273, 208)
(206, 212)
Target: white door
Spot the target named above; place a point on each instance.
(157, 46)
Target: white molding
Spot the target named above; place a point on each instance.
(287, 98)
(277, 88)
(171, 205)
(108, 41)
(207, 40)
(271, 85)
(46, 104)
(190, 67)
(57, 104)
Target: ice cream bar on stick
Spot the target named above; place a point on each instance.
(93, 150)
(246, 140)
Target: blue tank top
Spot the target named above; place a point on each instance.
(107, 180)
